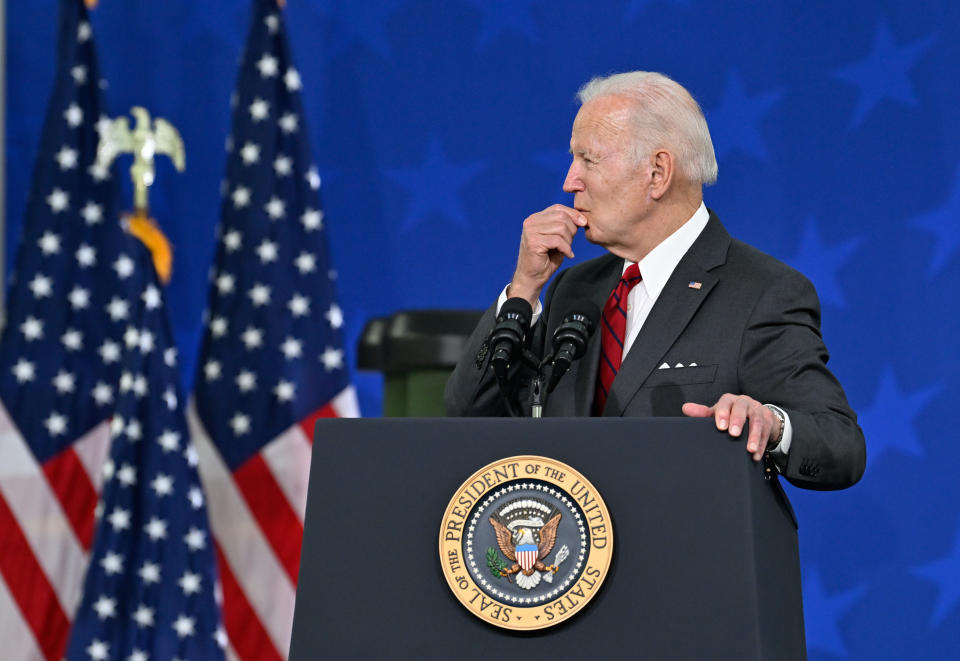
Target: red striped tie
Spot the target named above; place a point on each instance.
(612, 335)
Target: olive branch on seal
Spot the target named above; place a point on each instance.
(496, 565)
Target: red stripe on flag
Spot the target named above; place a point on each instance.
(30, 588)
(308, 423)
(269, 505)
(78, 497)
(246, 633)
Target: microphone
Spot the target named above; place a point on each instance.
(571, 338)
(508, 335)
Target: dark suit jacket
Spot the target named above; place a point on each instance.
(752, 327)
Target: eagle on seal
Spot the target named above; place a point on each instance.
(520, 547)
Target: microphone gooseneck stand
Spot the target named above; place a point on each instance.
(570, 340)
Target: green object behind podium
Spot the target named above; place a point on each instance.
(416, 350)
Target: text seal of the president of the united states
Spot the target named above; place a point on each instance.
(526, 542)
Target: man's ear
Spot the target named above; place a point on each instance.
(662, 168)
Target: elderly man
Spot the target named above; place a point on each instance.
(694, 322)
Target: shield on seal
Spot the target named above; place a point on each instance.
(527, 556)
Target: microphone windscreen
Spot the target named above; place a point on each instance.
(519, 307)
(590, 311)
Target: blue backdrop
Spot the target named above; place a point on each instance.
(439, 125)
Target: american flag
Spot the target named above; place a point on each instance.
(59, 360)
(149, 590)
(80, 289)
(272, 360)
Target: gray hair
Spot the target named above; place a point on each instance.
(664, 114)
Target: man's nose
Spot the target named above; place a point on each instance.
(572, 183)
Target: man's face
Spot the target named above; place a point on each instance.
(609, 188)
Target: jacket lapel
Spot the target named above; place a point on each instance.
(676, 305)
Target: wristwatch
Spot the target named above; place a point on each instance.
(783, 422)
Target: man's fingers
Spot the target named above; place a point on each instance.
(559, 244)
(693, 410)
(721, 411)
(738, 415)
(759, 431)
(571, 213)
(733, 412)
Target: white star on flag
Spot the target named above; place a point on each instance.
(312, 219)
(267, 65)
(292, 80)
(250, 153)
(41, 286)
(289, 123)
(66, 158)
(92, 213)
(259, 110)
(73, 115)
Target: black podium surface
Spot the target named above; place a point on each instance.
(705, 559)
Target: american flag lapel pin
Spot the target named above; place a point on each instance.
(693, 284)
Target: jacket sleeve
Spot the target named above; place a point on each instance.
(783, 361)
(472, 389)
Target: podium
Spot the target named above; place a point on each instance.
(705, 562)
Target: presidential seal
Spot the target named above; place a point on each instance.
(525, 542)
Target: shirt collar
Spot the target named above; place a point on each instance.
(658, 265)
